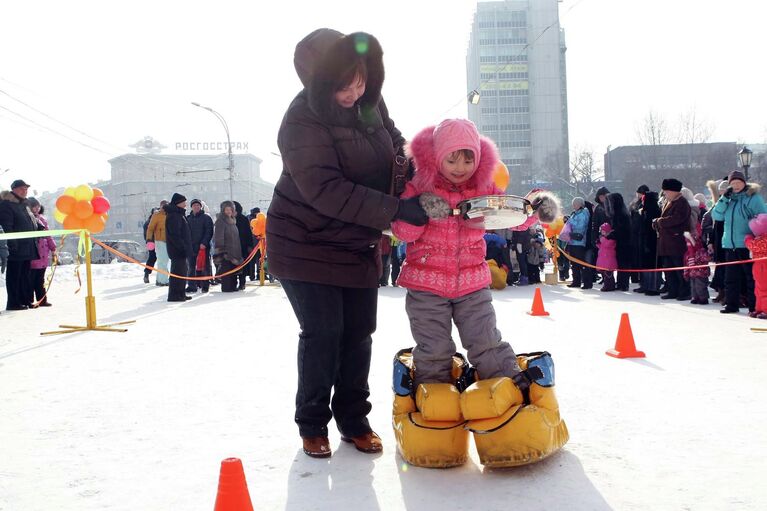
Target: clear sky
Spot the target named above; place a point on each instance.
(118, 71)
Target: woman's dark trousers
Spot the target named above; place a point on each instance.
(735, 275)
(334, 349)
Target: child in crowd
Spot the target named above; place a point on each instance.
(607, 257)
(757, 244)
(445, 272)
(536, 258)
(697, 255)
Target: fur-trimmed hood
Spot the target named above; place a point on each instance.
(426, 176)
(323, 57)
(752, 188)
(9, 196)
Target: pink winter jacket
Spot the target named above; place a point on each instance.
(44, 247)
(446, 256)
(607, 256)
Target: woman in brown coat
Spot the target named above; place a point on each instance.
(330, 205)
(228, 250)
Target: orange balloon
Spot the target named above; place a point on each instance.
(83, 209)
(94, 223)
(501, 176)
(65, 204)
(72, 222)
(97, 192)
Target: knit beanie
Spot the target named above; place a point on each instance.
(736, 174)
(454, 134)
(177, 199)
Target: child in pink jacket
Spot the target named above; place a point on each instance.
(607, 257)
(445, 272)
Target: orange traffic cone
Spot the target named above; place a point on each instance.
(624, 344)
(538, 309)
(232, 488)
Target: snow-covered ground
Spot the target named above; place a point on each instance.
(141, 420)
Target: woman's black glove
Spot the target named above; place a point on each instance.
(411, 211)
(728, 193)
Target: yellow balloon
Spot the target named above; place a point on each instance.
(69, 190)
(83, 192)
(58, 216)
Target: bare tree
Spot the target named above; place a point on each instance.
(692, 129)
(653, 130)
(584, 173)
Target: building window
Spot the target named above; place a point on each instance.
(487, 59)
(512, 58)
(511, 92)
(486, 42)
(486, 24)
(512, 76)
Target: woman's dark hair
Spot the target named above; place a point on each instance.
(358, 68)
(616, 211)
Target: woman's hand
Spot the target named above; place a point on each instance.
(411, 211)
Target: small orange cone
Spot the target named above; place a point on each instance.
(538, 309)
(232, 488)
(624, 344)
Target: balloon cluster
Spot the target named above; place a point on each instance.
(554, 228)
(82, 207)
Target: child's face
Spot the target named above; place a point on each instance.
(457, 167)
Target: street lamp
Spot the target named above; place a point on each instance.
(228, 144)
(474, 97)
(745, 159)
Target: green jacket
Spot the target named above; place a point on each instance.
(735, 212)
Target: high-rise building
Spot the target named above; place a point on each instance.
(516, 63)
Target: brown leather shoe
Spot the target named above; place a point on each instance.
(317, 447)
(369, 442)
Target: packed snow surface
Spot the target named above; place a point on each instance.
(141, 420)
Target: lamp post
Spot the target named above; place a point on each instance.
(473, 97)
(745, 155)
(228, 145)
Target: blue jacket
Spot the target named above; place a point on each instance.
(735, 212)
(579, 224)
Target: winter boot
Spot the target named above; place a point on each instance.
(516, 422)
(523, 281)
(428, 424)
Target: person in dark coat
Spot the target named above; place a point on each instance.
(179, 242)
(635, 208)
(228, 248)
(201, 231)
(15, 216)
(648, 243)
(329, 207)
(620, 221)
(671, 225)
(246, 241)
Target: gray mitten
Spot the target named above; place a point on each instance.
(546, 206)
(434, 205)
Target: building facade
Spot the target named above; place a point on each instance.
(141, 180)
(516, 62)
(627, 167)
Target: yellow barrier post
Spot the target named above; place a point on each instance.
(90, 304)
(552, 279)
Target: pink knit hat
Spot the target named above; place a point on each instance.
(454, 134)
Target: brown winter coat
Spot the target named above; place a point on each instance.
(330, 203)
(226, 238)
(673, 221)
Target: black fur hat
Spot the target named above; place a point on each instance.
(672, 185)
